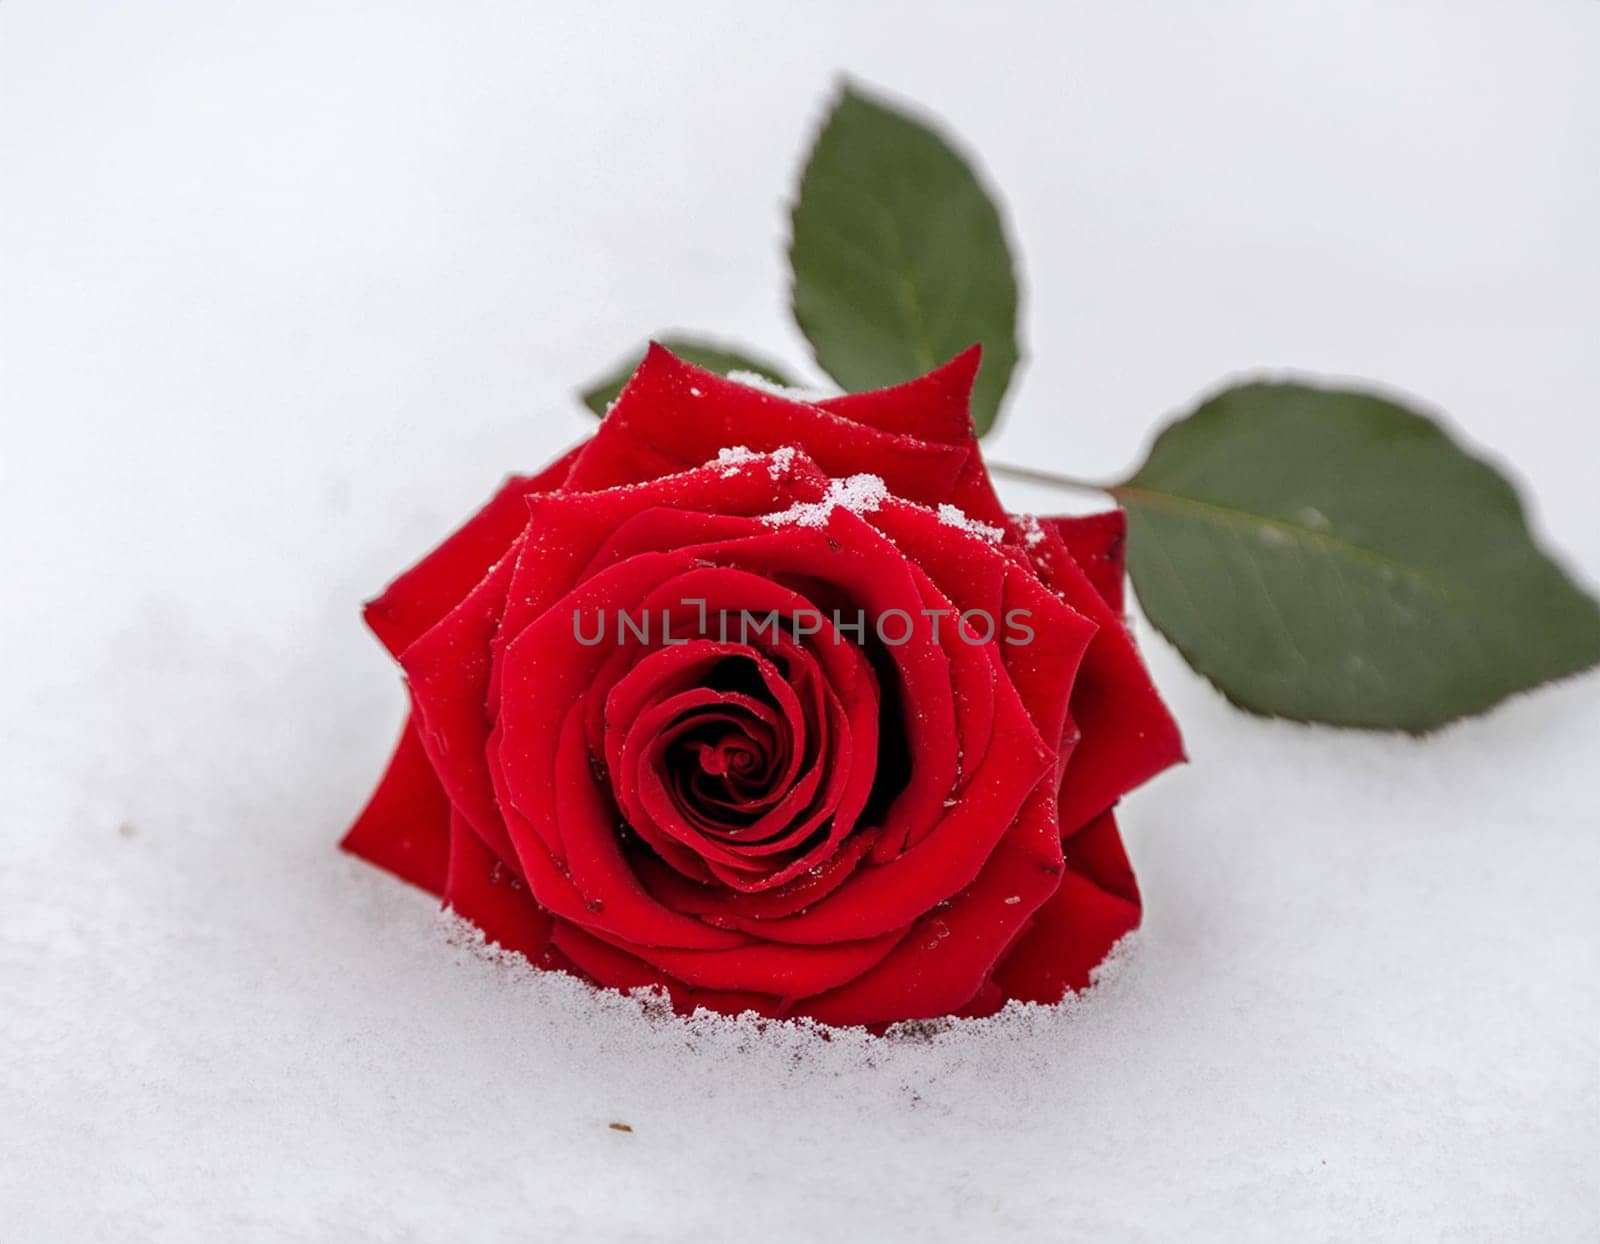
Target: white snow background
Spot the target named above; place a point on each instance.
(288, 287)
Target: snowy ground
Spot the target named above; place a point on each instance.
(287, 287)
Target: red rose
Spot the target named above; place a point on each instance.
(811, 727)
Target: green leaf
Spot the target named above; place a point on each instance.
(900, 261)
(1331, 556)
(599, 395)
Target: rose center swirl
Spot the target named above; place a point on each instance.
(734, 762)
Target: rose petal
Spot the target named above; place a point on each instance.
(1098, 543)
(935, 407)
(791, 972)
(978, 578)
(405, 826)
(1127, 734)
(718, 905)
(481, 888)
(1071, 934)
(951, 951)
(567, 531)
(605, 965)
(672, 415)
(448, 670)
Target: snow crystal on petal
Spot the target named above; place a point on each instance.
(782, 461)
(732, 458)
(954, 516)
(1032, 532)
(860, 494)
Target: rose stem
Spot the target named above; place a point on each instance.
(1047, 478)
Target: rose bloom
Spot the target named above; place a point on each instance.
(870, 809)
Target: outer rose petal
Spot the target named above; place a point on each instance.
(932, 407)
(935, 407)
(943, 964)
(435, 585)
(793, 972)
(1097, 904)
(605, 965)
(405, 826)
(1128, 736)
(673, 416)
(481, 889)
(1098, 543)
(448, 669)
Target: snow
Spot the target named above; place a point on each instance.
(288, 290)
(954, 516)
(860, 494)
(782, 462)
(733, 458)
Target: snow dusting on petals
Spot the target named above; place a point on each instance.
(732, 458)
(780, 462)
(1032, 532)
(954, 516)
(860, 494)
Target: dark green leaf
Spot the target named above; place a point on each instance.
(899, 258)
(1331, 556)
(719, 359)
